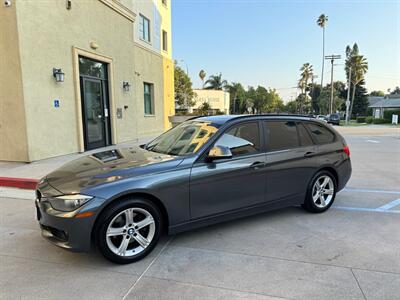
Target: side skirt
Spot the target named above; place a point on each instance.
(235, 214)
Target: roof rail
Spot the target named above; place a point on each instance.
(269, 115)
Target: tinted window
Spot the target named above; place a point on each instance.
(241, 139)
(320, 134)
(282, 135)
(305, 139)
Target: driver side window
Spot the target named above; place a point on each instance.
(242, 139)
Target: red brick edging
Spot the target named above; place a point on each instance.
(22, 183)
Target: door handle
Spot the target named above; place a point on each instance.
(309, 153)
(257, 165)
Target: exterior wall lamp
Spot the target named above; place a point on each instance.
(58, 75)
(126, 86)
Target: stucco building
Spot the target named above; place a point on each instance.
(217, 99)
(80, 75)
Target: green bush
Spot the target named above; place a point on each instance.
(360, 119)
(380, 121)
(387, 114)
(369, 119)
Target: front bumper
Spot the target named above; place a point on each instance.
(63, 229)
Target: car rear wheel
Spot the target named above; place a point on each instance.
(128, 230)
(321, 192)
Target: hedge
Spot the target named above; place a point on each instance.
(369, 119)
(380, 121)
(360, 119)
(387, 114)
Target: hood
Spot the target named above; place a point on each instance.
(109, 166)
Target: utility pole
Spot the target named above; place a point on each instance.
(332, 59)
(348, 97)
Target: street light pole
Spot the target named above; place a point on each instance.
(348, 97)
(332, 59)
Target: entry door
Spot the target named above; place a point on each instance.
(95, 114)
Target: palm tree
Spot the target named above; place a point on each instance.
(305, 76)
(321, 22)
(202, 75)
(235, 89)
(215, 82)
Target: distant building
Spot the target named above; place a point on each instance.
(379, 106)
(218, 100)
(80, 75)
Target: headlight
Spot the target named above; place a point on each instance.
(68, 202)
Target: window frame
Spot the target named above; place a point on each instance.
(165, 2)
(313, 138)
(164, 40)
(202, 155)
(152, 106)
(142, 20)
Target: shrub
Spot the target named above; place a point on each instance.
(387, 114)
(369, 119)
(360, 119)
(380, 121)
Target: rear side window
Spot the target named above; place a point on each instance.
(242, 139)
(281, 135)
(305, 139)
(320, 134)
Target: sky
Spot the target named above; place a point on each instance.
(265, 42)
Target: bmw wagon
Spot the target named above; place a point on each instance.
(204, 171)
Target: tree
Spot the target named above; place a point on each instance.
(361, 100)
(215, 82)
(359, 66)
(321, 22)
(237, 96)
(305, 76)
(395, 91)
(202, 75)
(183, 88)
(291, 107)
(377, 93)
(324, 99)
(315, 92)
(204, 109)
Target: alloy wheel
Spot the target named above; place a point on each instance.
(323, 191)
(130, 232)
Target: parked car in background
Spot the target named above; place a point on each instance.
(322, 118)
(201, 172)
(334, 119)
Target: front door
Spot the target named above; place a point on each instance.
(95, 107)
(229, 184)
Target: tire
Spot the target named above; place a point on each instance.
(122, 235)
(313, 201)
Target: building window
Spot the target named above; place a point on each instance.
(144, 28)
(164, 2)
(164, 40)
(148, 99)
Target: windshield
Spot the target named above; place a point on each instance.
(184, 139)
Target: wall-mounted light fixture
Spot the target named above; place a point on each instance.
(126, 86)
(58, 75)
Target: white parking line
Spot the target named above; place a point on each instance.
(370, 191)
(373, 141)
(389, 205)
(363, 209)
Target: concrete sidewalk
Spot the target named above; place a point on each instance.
(26, 175)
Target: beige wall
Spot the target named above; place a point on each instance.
(216, 98)
(55, 131)
(13, 140)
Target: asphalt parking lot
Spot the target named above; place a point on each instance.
(350, 252)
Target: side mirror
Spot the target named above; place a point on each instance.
(219, 152)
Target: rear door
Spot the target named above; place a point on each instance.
(291, 159)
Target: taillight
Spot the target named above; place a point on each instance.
(346, 150)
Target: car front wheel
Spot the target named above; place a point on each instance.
(321, 192)
(128, 230)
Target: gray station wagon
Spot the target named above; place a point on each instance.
(204, 171)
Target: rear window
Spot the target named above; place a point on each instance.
(320, 134)
(305, 139)
(282, 135)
